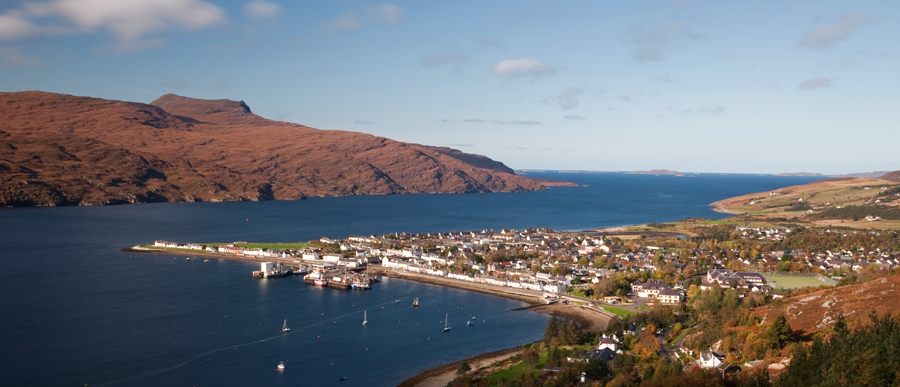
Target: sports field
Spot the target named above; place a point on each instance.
(786, 282)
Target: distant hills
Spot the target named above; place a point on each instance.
(60, 149)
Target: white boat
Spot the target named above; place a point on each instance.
(285, 327)
(446, 327)
(365, 320)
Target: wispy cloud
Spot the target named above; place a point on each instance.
(815, 83)
(651, 42)
(379, 14)
(703, 110)
(443, 59)
(827, 36)
(490, 43)
(514, 68)
(262, 9)
(128, 22)
(568, 98)
(574, 118)
(175, 83)
(11, 57)
(498, 122)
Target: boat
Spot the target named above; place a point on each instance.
(320, 282)
(446, 327)
(415, 302)
(281, 366)
(365, 320)
(285, 327)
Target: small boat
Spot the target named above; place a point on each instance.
(281, 366)
(446, 327)
(365, 320)
(415, 302)
(285, 327)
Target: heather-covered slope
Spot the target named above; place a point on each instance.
(59, 149)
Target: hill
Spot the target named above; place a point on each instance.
(65, 150)
(892, 176)
(845, 201)
(818, 311)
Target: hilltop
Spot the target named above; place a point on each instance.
(60, 149)
(850, 202)
(818, 311)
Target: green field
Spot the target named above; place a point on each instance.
(623, 313)
(786, 282)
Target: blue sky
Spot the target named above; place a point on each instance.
(701, 86)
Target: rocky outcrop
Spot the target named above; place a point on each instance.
(64, 150)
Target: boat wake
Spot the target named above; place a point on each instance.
(232, 347)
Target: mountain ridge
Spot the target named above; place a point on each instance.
(58, 149)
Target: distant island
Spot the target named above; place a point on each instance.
(66, 150)
(656, 172)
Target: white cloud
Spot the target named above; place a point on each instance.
(512, 68)
(382, 14)
(703, 110)
(442, 59)
(827, 36)
(127, 21)
(568, 98)
(815, 83)
(651, 42)
(385, 13)
(261, 9)
(11, 57)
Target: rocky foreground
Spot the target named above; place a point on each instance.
(60, 149)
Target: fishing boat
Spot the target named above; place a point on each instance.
(365, 320)
(285, 328)
(415, 302)
(446, 327)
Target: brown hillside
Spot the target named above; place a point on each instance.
(59, 149)
(817, 311)
(892, 176)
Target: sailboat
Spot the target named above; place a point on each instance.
(446, 327)
(415, 302)
(285, 327)
(365, 320)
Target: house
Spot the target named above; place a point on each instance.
(710, 359)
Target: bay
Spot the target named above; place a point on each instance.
(76, 309)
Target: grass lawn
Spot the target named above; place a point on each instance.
(623, 313)
(521, 368)
(785, 282)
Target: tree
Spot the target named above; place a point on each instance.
(463, 368)
(597, 369)
(779, 333)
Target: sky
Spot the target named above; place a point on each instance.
(694, 86)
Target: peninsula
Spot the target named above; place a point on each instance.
(58, 149)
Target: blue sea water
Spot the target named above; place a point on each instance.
(74, 309)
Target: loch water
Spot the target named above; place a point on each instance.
(76, 310)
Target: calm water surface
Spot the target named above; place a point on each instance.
(74, 309)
